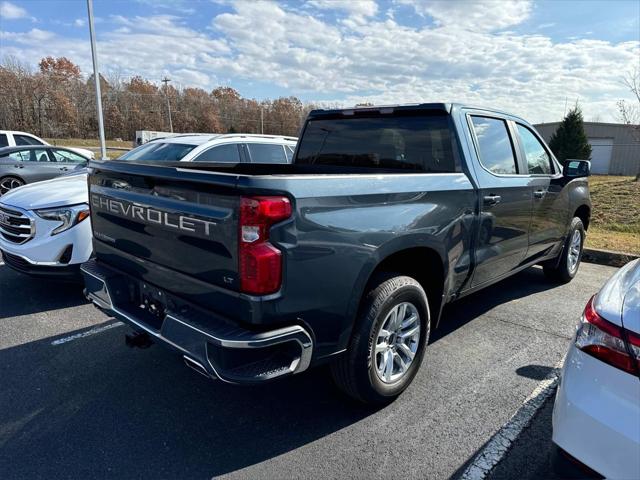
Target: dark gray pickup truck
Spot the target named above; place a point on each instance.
(347, 255)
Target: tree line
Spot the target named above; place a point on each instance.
(55, 100)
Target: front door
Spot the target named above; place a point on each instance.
(505, 201)
(550, 201)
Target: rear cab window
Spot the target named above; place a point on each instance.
(415, 141)
(494, 144)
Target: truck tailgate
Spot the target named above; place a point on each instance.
(186, 222)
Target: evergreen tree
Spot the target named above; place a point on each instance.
(569, 140)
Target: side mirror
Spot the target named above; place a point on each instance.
(576, 168)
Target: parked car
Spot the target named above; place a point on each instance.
(347, 255)
(596, 416)
(30, 244)
(22, 165)
(10, 138)
(217, 148)
(43, 231)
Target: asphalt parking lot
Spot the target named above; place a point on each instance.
(75, 402)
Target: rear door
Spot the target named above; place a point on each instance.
(549, 201)
(505, 199)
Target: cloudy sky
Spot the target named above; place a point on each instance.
(529, 57)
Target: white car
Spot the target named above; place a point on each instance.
(44, 229)
(596, 416)
(11, 138)
(218, 148)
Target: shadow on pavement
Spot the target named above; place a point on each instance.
(24, 295)
(521, 285)
(95, 409)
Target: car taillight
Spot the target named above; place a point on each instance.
(260, 263)
(606, 341)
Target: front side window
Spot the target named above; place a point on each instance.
(26, 140)
(158, 152)
(266, 153)
(418, 142)
(67, 157)
(494, 145)
(538, 160)
(4, 141)
(220, 154)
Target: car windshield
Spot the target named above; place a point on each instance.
(158, 152)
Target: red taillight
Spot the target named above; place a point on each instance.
(606, 341)
(260, 263)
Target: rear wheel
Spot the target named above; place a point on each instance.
(9, 183)
(566, 267)
(388, 342)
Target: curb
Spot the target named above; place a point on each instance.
(607, 257)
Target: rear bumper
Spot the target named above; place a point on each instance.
(215, 346)
(596, 416)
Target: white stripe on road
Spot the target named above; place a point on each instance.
(93, 331)
(501, 442)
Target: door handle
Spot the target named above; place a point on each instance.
(539, 193)
(19, 165)
(492, 199)
(64, 168)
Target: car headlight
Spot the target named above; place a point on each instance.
(68, 216)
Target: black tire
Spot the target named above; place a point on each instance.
(355, 371)
(8, 183)
(560, 270)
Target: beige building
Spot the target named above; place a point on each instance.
(615, 147)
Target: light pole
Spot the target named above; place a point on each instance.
(166, 81)
(96, 78)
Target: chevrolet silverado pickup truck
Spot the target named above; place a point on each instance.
(346, 256)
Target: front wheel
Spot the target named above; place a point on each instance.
(566, 267)
(388, 342)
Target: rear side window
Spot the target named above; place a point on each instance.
(4, 142)
(538, 160)
(266, 153)
(421, 143)
(494, 145)
(26, 140)
(220, 154)
(289, 153)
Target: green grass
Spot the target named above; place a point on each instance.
(615, 214)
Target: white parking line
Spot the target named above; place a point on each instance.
(93, 331)
(501, 442)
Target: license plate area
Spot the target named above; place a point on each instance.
(145, 302)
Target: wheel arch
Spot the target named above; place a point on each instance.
(424, 263)
(583, 212)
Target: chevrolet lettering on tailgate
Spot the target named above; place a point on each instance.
(152, 216)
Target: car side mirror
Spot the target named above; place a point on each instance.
(576, 168)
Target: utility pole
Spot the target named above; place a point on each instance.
(261, 119)
(96, 78)
(166, 81)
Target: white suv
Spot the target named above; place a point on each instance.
(43, 231)
(220, 148)
(11, 138)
